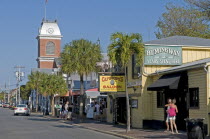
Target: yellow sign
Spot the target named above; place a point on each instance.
(110, 83)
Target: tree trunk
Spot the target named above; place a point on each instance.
(81, 95)
(127, 102)
(37, 100)
(32, 100)
(52, 105)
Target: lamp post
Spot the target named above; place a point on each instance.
(69, 87)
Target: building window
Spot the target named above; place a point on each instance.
(135, 67)
(160, 99)
(50, 48)
(194, 97)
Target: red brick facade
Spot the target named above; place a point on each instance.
(42, 47)
(47, 64)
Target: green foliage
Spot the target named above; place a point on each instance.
(183, 22)
(80, 56)
(34, 80)
(2, 96)
(47, 84)
(24, 92)
(52, 84)
(123, 46)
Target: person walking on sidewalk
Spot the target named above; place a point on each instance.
(66, 110)
(96, 110)
(69, 115)
(167, 118)
(172, 115)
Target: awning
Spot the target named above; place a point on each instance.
(92, 93)
(169, 81)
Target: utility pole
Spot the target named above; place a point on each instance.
(8, 91)
(19, 76)
(5, 93)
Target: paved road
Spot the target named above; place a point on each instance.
(36, 127)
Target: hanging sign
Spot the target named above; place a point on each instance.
(109, 83)
(163, 55)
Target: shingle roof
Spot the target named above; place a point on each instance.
(180, 41)
(194, 64)
(48, 71)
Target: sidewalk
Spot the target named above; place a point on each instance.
(120, 130)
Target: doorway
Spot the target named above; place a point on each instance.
(180, 95)
(121, 110)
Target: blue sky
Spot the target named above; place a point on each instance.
(89, 19)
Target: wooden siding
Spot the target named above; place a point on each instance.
(197, 78)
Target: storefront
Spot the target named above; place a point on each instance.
(174, 67)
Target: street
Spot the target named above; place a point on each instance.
(36, 127)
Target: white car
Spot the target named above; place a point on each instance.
(0, 104)
(22, 109)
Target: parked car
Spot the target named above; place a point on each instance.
(22, 109)
(5, 105)
(11, 107)
(0, 104)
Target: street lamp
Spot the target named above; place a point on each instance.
(70, 82)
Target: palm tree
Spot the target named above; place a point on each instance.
(122, 47)
(52, 84)
(80, 56)
(33, 83)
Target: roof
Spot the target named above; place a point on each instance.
(49, 28)
(186, 66)
(180, 41)
(48, 71)
(58, 62)
(94, 89)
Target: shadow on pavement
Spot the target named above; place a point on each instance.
(40, 119)
(164, 137)
(66, 126)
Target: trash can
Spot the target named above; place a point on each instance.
(58, 112)
(195, 128)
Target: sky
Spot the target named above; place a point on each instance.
(88, 19)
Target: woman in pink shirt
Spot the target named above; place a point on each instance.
(172, 115)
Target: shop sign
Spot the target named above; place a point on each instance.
(109, 83)
(163, 55)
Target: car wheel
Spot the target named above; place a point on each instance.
(15, 114)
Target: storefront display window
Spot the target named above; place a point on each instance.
(194, 97)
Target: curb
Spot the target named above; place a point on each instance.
(97, 130)
(94, 129)
(106, 132)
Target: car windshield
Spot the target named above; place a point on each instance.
(21, 106)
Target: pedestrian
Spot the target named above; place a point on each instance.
(167, 118)
(70, 109)
(62, 111)
(96, 110)
(66, 110)
(172, 115)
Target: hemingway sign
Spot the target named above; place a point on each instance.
(163, 55)
(108, 83)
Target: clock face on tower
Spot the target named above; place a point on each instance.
(50, 30)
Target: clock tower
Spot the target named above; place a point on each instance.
(49, 41)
